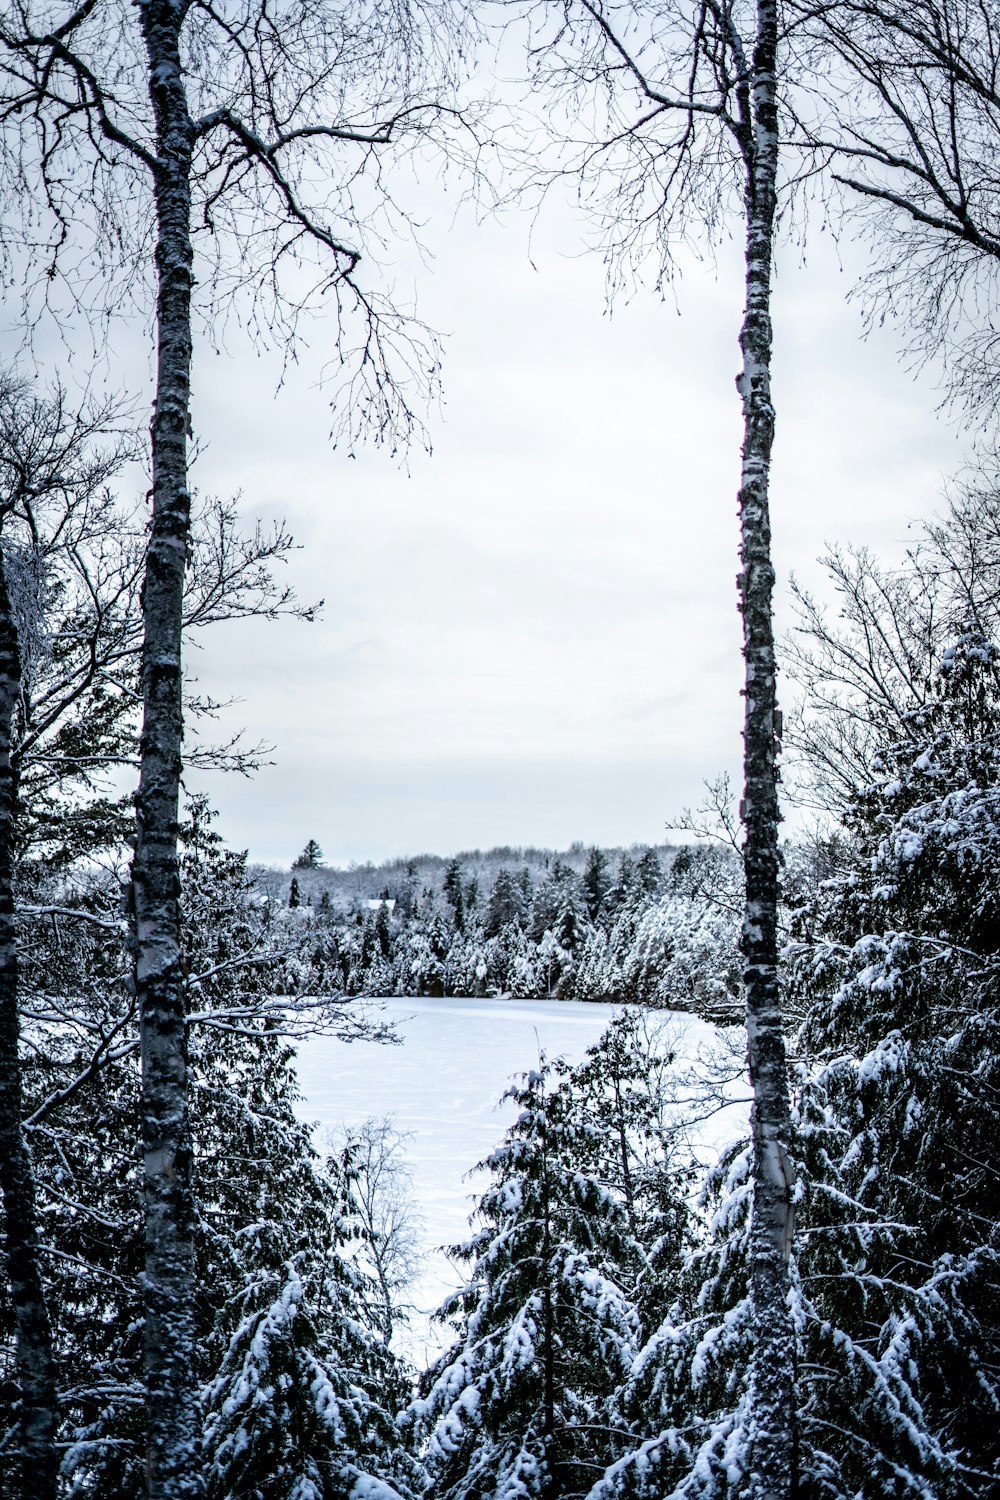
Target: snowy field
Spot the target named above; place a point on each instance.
(441, 1088)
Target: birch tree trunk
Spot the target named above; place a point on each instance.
(35, 1364)
(173, 1455)
(772, 1440)
(688, 65)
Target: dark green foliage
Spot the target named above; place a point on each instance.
(596, 883)
(582, 1234)
(311, 857)
(901, 974)
(382, 931)
(648, 874)
(518, 1406)
(454, 895)
(279, 1300)
(506, 905)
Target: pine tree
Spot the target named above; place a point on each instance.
(596, 882)
(519, 1405)
(570, 932)
(311, 857)
(506, 904)
(271, 1222)
(622, 890)
(622, 1100)
(453, 893)
(897, 967)
(648, 873)
(686, 1402)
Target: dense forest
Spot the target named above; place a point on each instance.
(591, 924)
(198, 1300)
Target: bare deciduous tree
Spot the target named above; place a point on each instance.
(373, 1158)
(875, 666)
(867, 672)
(47, 454)
(909, 111)
(160, 119)
(687, 129)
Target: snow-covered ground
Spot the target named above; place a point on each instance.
(441, 1087)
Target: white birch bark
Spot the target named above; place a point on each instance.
(36, 1458)
(173, 1455)
(772, 1437)
(273, 87)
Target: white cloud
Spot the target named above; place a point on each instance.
(532, 636)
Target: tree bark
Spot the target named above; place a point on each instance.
(173, 1454)
(35, 1363)
(550, 1485)
(772, 1415)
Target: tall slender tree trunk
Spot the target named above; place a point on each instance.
(550, 1485)
(772, 1444)
(35, 1364)
(173, 1455)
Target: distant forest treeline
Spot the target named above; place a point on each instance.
(657, 925)
(357, 882)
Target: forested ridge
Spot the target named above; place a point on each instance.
(199, 1296)
(586, 924)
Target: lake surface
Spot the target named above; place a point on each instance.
(441, 1087)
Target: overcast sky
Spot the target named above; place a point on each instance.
(532, 636)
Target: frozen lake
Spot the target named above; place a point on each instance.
(441, 1087)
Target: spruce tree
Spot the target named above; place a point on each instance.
(518, 1406)
(897, 965)
(596, 882)
(506, 904)
(453, 893)
(311, 857)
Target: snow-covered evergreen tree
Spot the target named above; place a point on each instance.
(898, 968)
(301, 1407)
(581, 1245)
(597, 975)
(622, 1100)
(506, 904)
(596, 883)
(270, 1219)
(518, 1406)
(895, 1284)
(681, 953)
